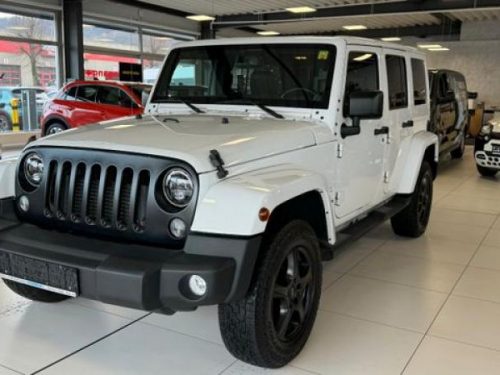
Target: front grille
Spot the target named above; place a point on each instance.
(96, 195)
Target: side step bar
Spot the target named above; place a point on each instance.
(363, 226)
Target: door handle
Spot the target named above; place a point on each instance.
(382, 130)
(408, 124)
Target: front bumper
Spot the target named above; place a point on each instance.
(138, 276)
(484, 153)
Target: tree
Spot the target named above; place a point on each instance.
(32, 28)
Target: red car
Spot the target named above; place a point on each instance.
(82, 103)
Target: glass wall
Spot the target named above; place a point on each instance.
(106, 45)
(28, 67)
(30, 57)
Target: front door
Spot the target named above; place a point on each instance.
(359, 171)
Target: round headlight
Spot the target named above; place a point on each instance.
(178, 187)
(33, 168)
(486, 129)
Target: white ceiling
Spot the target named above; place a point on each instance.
(227, 7)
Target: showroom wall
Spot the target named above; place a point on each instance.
(477, 56)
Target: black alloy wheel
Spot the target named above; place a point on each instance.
(292, 295)
(413, 220)
(424, 201)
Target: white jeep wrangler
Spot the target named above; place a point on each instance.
(254, 160)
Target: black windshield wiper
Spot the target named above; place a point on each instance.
(189, 104)
(265, 108)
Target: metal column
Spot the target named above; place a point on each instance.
(207, 31)
(73, 39)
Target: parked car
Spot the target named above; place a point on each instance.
(487, 147)
(82, 103)
(10, 94)
(449, 110)
(231, 189)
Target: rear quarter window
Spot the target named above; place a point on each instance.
(419, 84)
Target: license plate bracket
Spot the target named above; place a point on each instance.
(40, 274)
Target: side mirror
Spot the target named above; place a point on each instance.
(366, 105)
(362, 105)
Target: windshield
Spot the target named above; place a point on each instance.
(285, 75)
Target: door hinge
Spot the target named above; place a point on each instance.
(338, 198)
(340, 150)
(386, 177)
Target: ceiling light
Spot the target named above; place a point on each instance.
(364, 57)
(429, 45)
(301, 9)
(19, 28)
(200, 18)
(268, 33)
(391, 39)
(354, 27)
(86, 26)
(439, 49)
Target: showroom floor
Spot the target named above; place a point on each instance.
(390, 306)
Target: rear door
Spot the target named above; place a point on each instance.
(397, 111)
(85, 110)
(115, 102)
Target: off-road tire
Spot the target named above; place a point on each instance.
(412, 221)
(34, 294)
(486, 172)
(54, 128)
(458, 153)
(247, 326)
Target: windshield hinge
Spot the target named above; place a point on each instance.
(218, 163)
(340, 150)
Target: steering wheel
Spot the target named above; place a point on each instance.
(303, 89)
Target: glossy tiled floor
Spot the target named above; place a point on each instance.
(390, 306)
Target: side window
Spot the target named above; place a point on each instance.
(397, 82)
(419, 87)
(113, 96)
(362, 74)
(70, 94)
(86, 94)
(184, 75)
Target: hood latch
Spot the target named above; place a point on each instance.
(218, 163)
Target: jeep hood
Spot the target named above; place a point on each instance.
(190, 138)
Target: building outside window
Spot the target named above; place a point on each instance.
(29, 53)
(107, 45)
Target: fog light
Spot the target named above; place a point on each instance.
(178, 228)
(197, 285)
(24, 203)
